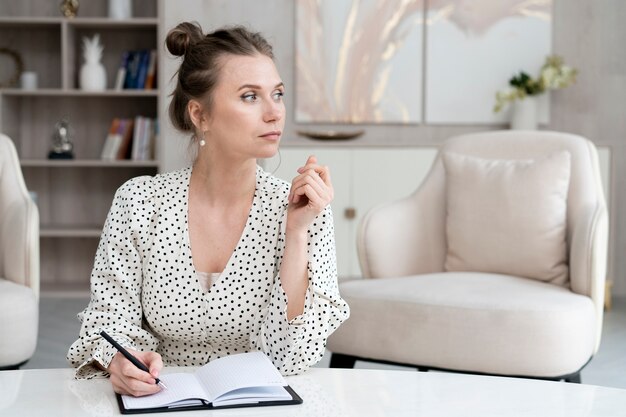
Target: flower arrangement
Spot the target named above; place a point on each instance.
(554, 75)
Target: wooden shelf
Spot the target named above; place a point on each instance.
(104, 22)
(60, 92)
(86, 163)
(30, 21)
(79, 22)
(50, 231)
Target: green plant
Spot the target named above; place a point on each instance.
(554, 75)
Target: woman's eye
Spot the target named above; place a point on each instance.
(278, 95)
(250, 97)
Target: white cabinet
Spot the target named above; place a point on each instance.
(362, 178)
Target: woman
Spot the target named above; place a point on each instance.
(221, 257)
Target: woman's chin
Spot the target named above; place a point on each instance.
(268, 152)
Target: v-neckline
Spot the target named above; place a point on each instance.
(229, 263)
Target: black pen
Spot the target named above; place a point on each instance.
(130, 357)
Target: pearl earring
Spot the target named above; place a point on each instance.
(202, 141)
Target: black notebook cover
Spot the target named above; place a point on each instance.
(295, 399)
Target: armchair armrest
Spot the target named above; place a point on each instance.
(408, 236)
(20, 243)
(588, 259)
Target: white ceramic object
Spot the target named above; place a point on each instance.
(525, 114)
(28, 80)
(120, 9)
(93, 76)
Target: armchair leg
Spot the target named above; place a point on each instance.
(338, 360)
(574, 378)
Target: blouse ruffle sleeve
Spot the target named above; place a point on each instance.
(116, 280)
(296, 345)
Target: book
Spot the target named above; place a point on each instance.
(139, 130)
(242, 380)
(142, 69)
(151, 76)
(112, 141)
(121, 71)
(124, 150)
(132, 69)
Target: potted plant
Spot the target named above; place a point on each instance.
(554, 75)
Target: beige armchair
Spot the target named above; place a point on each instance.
(495, 265)
(19, 263)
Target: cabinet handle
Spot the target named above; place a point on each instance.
(350, 213)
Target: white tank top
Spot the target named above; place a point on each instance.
(207, 279)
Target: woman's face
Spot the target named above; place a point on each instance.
(247, 114)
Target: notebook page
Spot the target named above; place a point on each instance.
(253, 395)
(243, 370)
(179, 387)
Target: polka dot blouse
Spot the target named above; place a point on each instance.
(146, 294)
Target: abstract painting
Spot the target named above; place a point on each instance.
(474, 47)
(359, 61)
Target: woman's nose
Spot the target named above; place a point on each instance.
(274, 112)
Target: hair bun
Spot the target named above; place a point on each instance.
(182, 36)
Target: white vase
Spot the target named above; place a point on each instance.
(120, 9)
(93, 77)
(524, 115)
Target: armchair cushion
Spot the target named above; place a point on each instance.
(508, 216)
(468, 321)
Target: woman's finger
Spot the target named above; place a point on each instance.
(313, 178)
(307, 191)
(316, 201)
(128, 379)
(153, 361)
(131, 386)
(130, 371)
(318, 187)
(322, 170)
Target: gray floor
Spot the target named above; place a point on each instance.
(59, 328)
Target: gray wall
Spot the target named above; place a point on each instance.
(589, 34)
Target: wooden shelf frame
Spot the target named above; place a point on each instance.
(73, 92)
(86, 163)
(73, 196)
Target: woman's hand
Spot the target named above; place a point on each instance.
(311, 191)
(127, 379)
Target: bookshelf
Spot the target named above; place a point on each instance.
(73, 196)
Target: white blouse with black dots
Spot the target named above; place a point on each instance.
(146, 294)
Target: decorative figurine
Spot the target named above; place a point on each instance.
(93, 76)
(69, 8)
(61, 143)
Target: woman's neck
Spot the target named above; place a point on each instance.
(223, 183)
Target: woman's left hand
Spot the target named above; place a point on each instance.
(311, 191)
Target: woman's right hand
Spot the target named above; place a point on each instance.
(127, 379)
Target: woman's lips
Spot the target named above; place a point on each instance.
(273, 135)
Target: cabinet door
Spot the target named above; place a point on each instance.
(340, 163)
(362, 178)
(381, 176)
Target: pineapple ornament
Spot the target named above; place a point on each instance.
(93, 76)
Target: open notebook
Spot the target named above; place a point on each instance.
(243, 380)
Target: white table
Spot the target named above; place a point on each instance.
(335, 393)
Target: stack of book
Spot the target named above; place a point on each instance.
(130, 139)
(137, 70)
